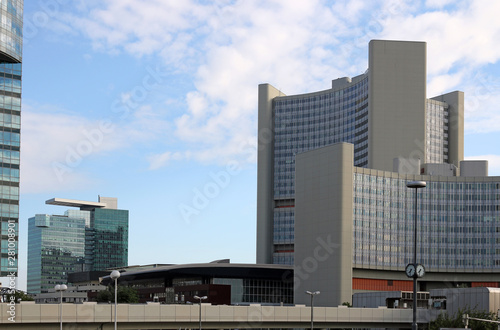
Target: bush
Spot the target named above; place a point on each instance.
(125, 295)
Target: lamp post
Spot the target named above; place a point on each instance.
(312, 294)
(200, 299)
(115, 275)
(415, 185)
(60, 288)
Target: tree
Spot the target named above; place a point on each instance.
(125, 295)
(455, 321)
(18, 296)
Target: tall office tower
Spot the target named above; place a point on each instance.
(92, 238)
(11, 16)
(383, 112)
(56, 247)
(107, 236)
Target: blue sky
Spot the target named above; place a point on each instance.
(155, 102)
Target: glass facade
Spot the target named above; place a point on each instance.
(107, 239)
(436, 132)
(11, 13)
(56, 247)
(11, 35)
(458, 224)
(312, 121)
(228, 285)
(306, 122)
(258, 290)
(89, 239)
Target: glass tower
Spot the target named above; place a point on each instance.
(11, 20)
(93, 238)
(56, 247)
(107, 239)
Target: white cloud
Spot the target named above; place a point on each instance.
(444, 83)
(160, 160)
(438, 3)
(461, 35)
(482, 96)
(229, 47)
(53, 146)
(140, 28)
(57, 145)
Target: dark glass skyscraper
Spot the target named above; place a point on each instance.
(11, 20)
(108, 242)
(95, 237)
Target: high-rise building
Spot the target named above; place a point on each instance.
(354, 226)
(56, 247)
(107, 237)
(91, 238)
(11, 16)
(333, 171)
(384, 113)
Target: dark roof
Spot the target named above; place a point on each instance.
(221, 270)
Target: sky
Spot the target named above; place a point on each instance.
(155, 102)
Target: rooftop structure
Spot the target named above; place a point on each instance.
(82, 205)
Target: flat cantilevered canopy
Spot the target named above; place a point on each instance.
(83, 205)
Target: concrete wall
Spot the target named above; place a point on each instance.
(474, 168)
(323, 217)
(155, 316)
(480, 299)
(265, 164)
(374, 299)
(397, 96)
(439, 169)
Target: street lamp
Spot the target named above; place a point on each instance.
(312, 294)
(60, 288)
(115, 275)
(417, 270)
(200, 299)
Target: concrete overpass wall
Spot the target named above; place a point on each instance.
(158, 316)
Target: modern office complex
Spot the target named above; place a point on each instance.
(11, 16)
(384, 113)
(332, 173)
(93, 238)
(56, 247)
(354, 226)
